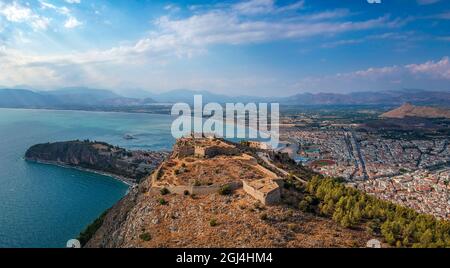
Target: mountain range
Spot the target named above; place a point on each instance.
(391, 97)
(66, 98)
(88, 97)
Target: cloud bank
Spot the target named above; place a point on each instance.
(172, 38)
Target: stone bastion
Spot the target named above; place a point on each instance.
(200, 166)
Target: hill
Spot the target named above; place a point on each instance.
(212, 193)
(409, 110)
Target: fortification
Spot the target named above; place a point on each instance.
(205, 165)
(267, 191)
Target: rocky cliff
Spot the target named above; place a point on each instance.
(97, 156)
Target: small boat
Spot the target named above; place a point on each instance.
(128, 137)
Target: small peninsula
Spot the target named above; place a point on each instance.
(128, 166)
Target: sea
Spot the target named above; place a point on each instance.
(44, 206)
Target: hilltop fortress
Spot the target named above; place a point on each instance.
(213, 193)
(206, 165)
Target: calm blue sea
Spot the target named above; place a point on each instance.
(43, 205)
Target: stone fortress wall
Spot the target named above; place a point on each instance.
(266, 190)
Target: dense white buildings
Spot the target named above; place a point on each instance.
(413, 173)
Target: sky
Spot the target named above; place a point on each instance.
(241, 47)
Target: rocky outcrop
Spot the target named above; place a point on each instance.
(98, 156)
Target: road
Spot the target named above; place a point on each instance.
(264, 157)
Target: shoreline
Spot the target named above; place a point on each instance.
(84, 110)
(128, 181)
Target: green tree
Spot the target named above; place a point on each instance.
(426, 238)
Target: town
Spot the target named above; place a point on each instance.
(410, 171)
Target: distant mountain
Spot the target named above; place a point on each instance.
(97, 93)
(79, 97)
(392, 97)
(409, 110)
(66, 98)
(137, 94)
(20, 98)
(187, 96)
(84, 96)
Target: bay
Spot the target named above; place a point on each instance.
(44, 205)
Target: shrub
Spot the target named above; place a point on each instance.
(145, 237)
(186, 192)
(291, 227)
(162, 201)
(290, 213)
(258, 206)
(89, 232)
(164, 191)
(213, 223)
(304, 206)
(263, 216)
(225, 190)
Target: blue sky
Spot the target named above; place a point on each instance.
(250, 47)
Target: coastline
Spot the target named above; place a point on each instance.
(85, 110)
(128, 181)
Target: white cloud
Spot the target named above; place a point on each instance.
(73, 1)
(145, 64)
(327, 15)
(220, 27)
(175, 38)
(427, 75)
(17, 13)
(61, 10)
(404, 36)
(172, 8)
(255, 7)
(436, 69)
(72, 22)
